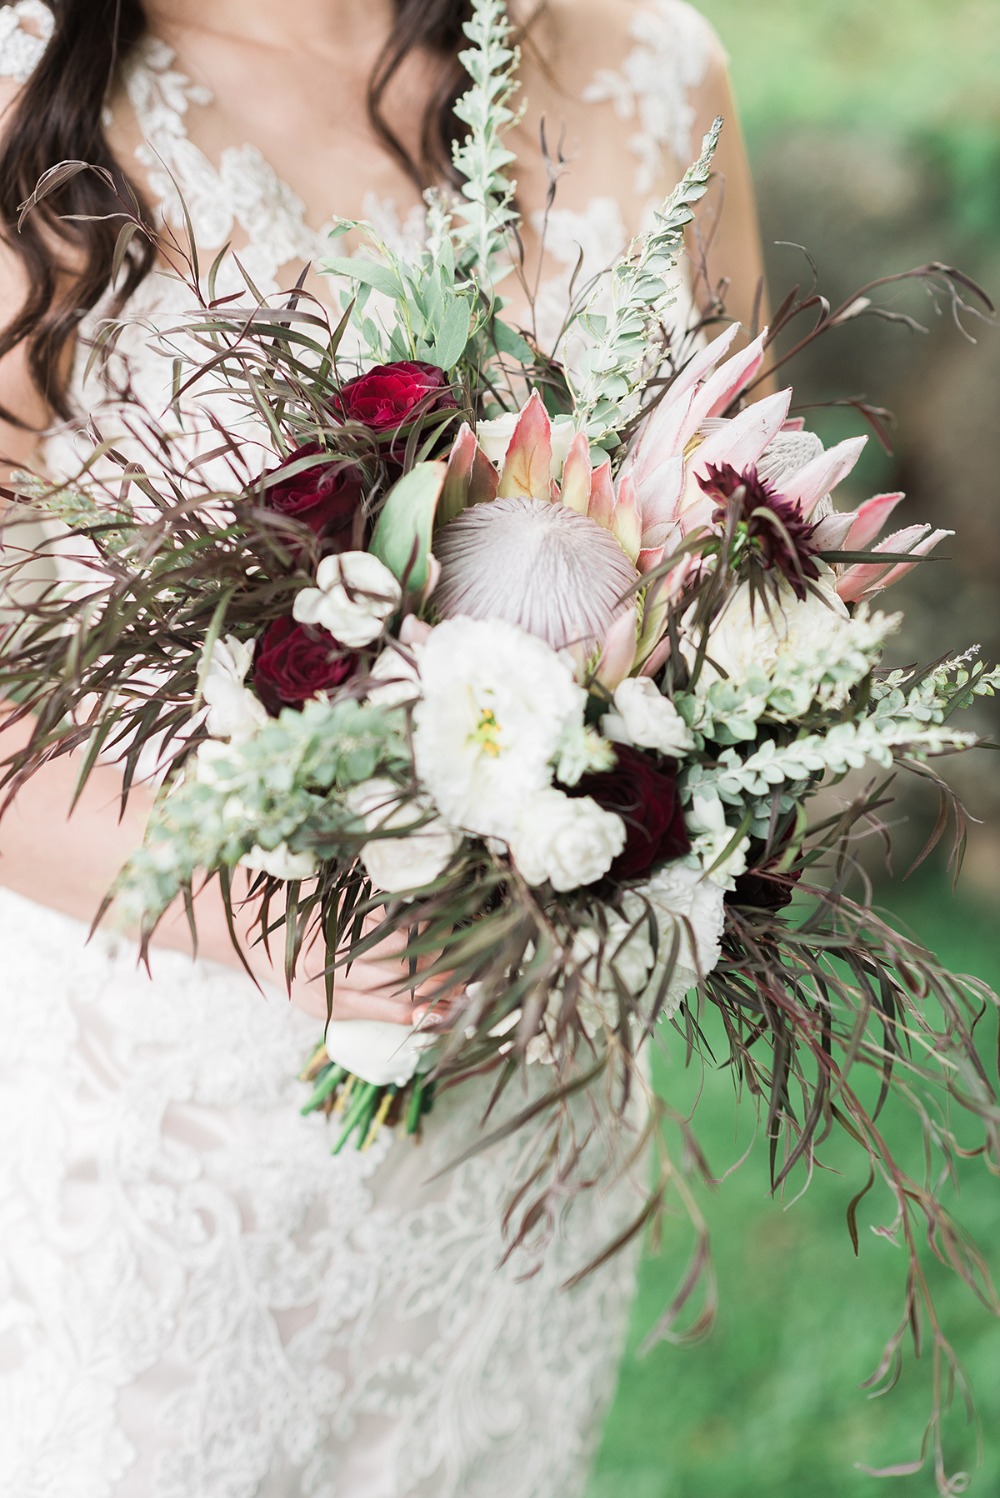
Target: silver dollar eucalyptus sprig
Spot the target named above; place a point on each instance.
(486, 208)
(641, 284)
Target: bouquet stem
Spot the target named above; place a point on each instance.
(366, 1107)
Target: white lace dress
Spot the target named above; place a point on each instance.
(196, 1299)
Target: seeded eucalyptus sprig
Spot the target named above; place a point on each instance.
(482, 158)
(642, 287)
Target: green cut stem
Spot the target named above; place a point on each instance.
(328, 1082)
(364, 1103)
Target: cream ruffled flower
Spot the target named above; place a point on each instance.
(711, 835)
(281, 862)
(646, 719)
(234, 712)
(687, 904)
(497, 705)
(753, 632)
(354, 595)
(565, 841)
(409, 860)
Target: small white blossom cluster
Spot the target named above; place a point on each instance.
(781, 658)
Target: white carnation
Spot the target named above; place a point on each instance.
(354, 596)
(566, 841)
(234, 712)
(691, 909)
(396, 682)
(646, 719)
(497, 704)
(412, 859)
(625, 956)
(711, 835)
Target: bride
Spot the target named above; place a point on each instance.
(196, 1300)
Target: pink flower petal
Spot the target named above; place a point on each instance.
(625, 521)
(662, 436)
(527, 469)
(832, 532)
(618, 654)
(658, 658)
(471, 477)
(702, 365)
(719, 392)
(578, 475)
(820, 477)
(659, 494)
(650, 557)
(866, 579)
(741, 441)
(869, 519)
(602, 496)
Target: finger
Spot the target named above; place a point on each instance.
(395, 981)
(394, 940)
(349, 1003)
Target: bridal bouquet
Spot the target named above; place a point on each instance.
(549, 667)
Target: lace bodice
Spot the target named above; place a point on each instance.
(196, 1301)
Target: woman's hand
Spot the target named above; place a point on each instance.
(377, 986)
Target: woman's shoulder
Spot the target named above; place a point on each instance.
(674, 32)
(640, 80)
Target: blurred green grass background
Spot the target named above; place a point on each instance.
(770, 1406)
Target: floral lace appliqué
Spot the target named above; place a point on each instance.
(669, 59)
(25, 29)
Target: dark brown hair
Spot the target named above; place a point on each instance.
(59, 117)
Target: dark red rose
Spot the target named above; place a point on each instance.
(293, 663)
(387, 397)
(643, 792)
(325, 496)
(764, 889)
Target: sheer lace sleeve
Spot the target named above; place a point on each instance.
(671, 50)
(664, 85)
(25, 29)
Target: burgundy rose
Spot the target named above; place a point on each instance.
(643, 792)
(764, 886)
(325, 496)
(293, 663)
(387, 397)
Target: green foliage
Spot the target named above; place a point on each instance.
(482, 159)
(402, 538)
(769, 1405)
(642, 290)
(904, 65)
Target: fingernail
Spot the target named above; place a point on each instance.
(426, 1016)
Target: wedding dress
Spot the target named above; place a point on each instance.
(196, 1299)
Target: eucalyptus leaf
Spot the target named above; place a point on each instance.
(509, 341)
(453, 334)
(402, 539)
(366, 273)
